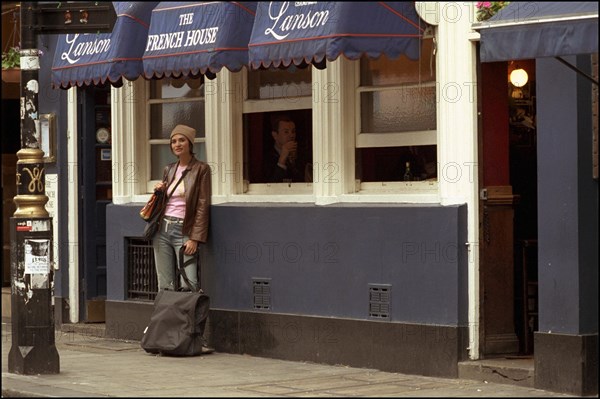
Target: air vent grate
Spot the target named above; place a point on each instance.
(142, 283)
(261, 290)
(380, 300)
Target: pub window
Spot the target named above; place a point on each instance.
(396, 137)
(277, 97)
(259, 149)
(173, 102)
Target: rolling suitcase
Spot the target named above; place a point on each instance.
(177, 324)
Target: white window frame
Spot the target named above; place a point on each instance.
(129, 156)
(302, 192)
(131, 147)
(149, 141)
(392, 139)
(426, 191)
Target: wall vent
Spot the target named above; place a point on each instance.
(380, 301)
(142, 283)
(261, 292)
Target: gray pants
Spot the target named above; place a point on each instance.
(167, 243)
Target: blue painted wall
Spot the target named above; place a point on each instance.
(321, 259)
(567, 200)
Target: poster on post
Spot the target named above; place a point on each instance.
(37, 256)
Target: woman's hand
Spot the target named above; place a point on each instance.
(159, 186)
(190, 247)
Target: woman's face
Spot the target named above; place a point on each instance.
(180, 145)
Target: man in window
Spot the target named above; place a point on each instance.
(285, 162)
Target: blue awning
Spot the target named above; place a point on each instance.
(310, 32)
(191, 38)
(524, 30)
(85, 59)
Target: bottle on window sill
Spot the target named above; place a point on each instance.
(407, 173)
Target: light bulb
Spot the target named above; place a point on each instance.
(518, 77)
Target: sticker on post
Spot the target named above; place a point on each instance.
(41, 225)
(24, 225)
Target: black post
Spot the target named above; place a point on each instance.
(33, 348)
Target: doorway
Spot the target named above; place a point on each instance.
(508, 211)
(523, 179)
(95, 175)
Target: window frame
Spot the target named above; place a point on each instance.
(291, 103)
(391, 139)
(149, 142)
(364, 139)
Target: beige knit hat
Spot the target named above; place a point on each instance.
(187, 131)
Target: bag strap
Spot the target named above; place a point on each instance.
(166, 197)
(181, 269)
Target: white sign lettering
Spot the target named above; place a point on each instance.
(164, 41)
(196, 37)
(201, 36)
(289, 23)
(76, 51)
(186, 19)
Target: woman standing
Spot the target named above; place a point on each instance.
(186, 217)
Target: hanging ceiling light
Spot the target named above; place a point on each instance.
(518, 77)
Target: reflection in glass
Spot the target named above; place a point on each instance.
(279, 83)
(396, 163)
(177, 88)
(400, 110)
(384, 71)
(398, 95)
(164, 117)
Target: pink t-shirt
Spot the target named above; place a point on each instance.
(176, 205)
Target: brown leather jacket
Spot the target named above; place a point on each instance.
(197, 198)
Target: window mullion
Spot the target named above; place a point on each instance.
(369, 89)
(174, 100)
(270, 105)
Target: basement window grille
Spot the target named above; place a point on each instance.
(142, 283)
(261, 291)
(380, 301)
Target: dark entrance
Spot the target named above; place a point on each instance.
(523, 179)
(508, 211)
(95, 177)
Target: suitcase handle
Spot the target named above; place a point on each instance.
(181, 269)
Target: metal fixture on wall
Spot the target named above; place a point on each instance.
(261, 293)
(380, 301)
